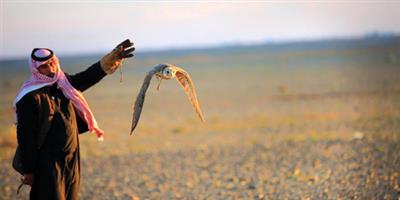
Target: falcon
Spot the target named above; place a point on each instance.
(167, 72)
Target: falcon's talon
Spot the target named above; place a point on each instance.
(159, 83)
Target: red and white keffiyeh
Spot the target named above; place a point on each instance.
(39, 80)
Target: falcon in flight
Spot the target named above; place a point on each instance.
(166, 71)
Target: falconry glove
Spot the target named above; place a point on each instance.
(113, 60)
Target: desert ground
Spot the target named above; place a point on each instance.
(296, 121)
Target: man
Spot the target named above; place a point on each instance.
(51, 111)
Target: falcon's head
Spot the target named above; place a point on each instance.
(167, 73)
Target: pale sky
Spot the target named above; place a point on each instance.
(74, 27)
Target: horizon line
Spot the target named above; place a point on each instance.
(369, 35)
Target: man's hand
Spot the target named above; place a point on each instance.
(113, 60)
(27, 179)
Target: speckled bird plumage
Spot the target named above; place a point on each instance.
(166, 71)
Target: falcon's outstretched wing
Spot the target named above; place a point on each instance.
(186, 82)
(137, 109)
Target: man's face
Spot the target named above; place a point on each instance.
(49, 69)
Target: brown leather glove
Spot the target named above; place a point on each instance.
(113, 60)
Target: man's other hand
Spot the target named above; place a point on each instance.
(27, 179)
